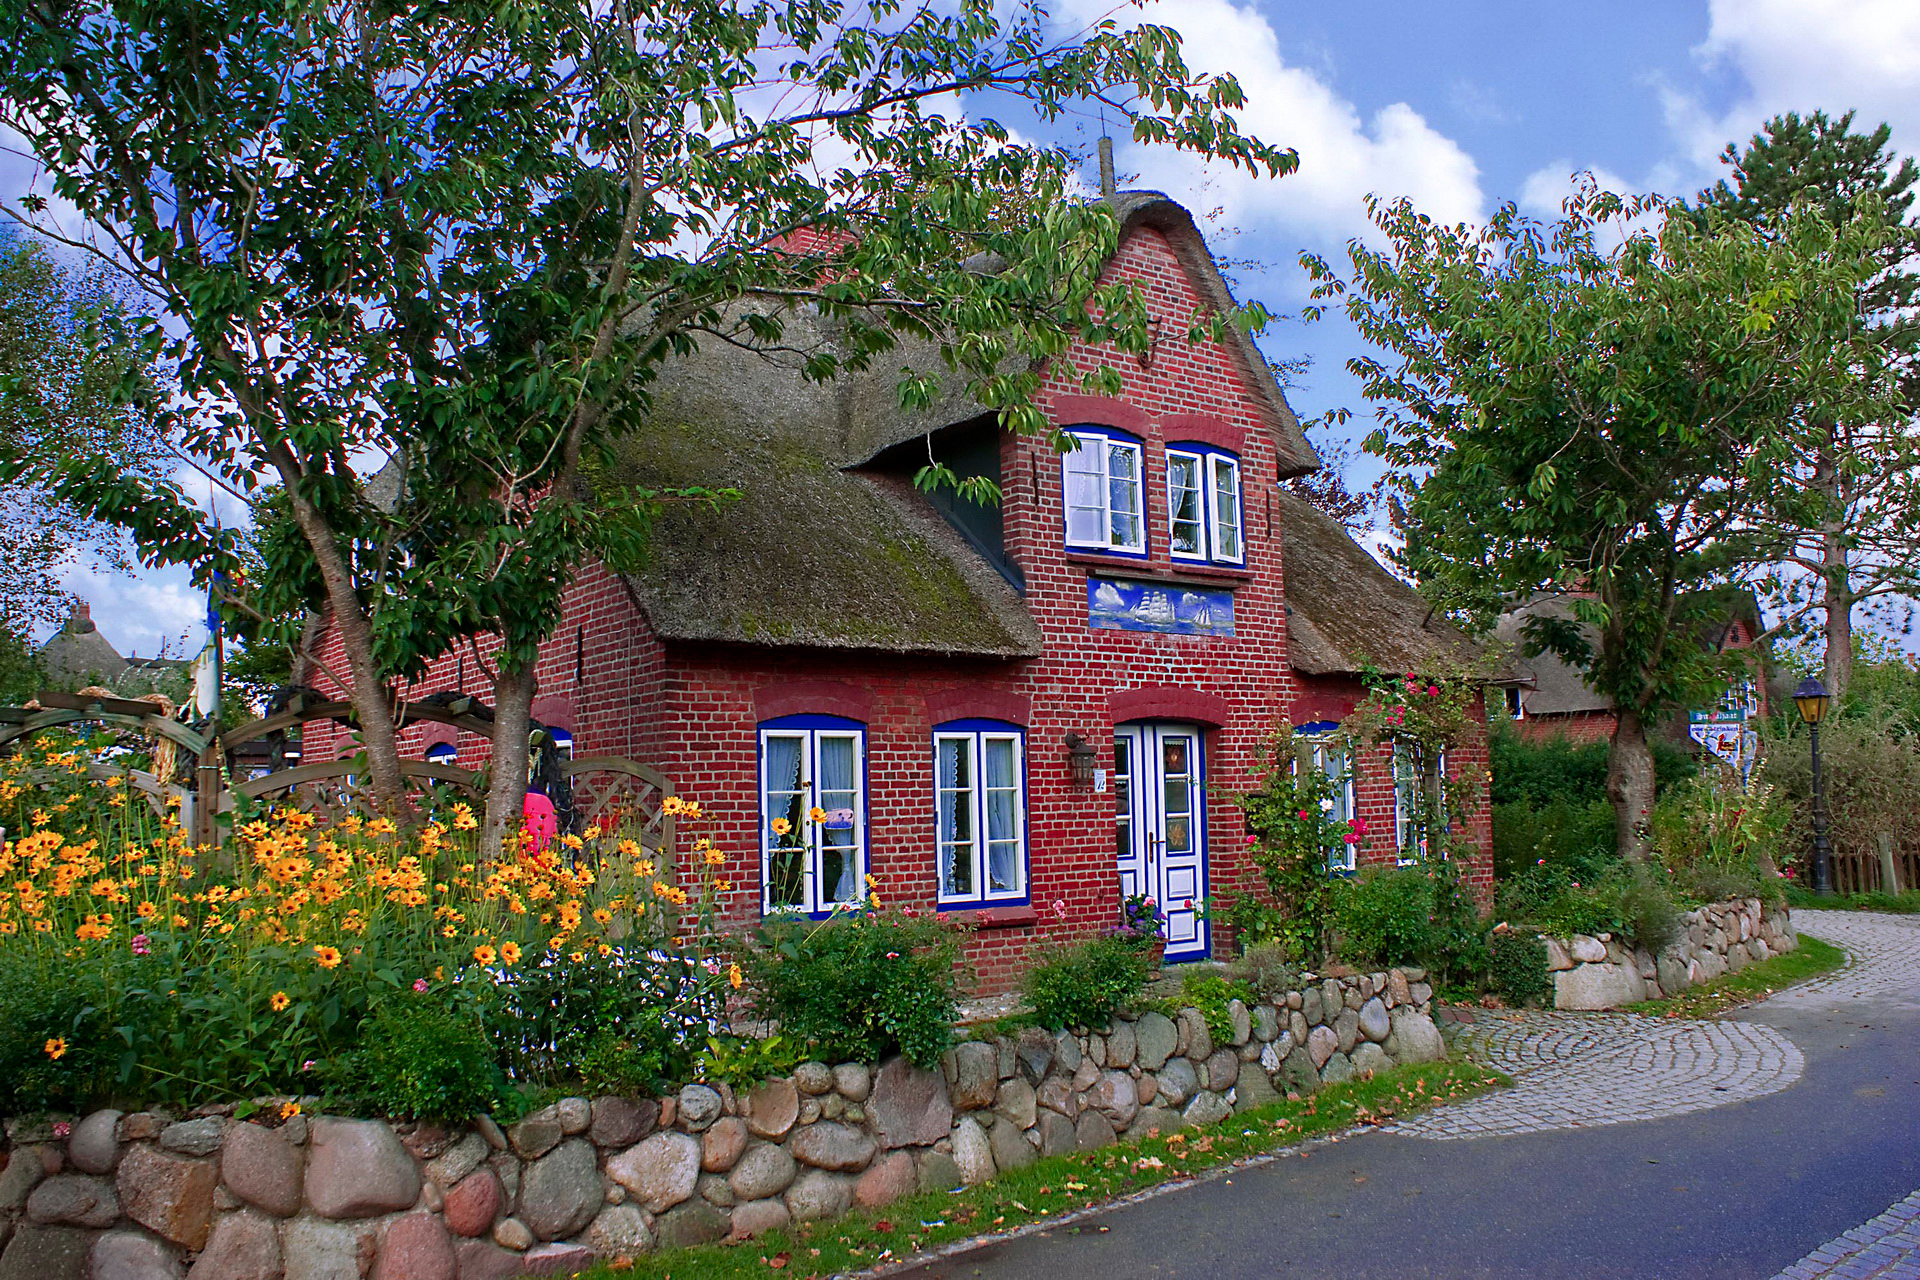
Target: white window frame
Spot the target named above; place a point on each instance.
(1101, 447)
(1210, 466)
(974, 741)
(1322, 751)
(812, 834)
(1403, 819)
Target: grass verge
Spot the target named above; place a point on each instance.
(1907, 903)
(1060, 1184)
(1810, 959)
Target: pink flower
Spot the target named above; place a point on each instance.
(1189, 904)
(61, 1128)
(419, 984)
(1351, 837)
(141, 944)
(1303, 815)
(1433, 691)
(893, 955)
(1252, 839)
(1060, 908)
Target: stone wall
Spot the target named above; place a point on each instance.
(149, 1196)
(1603, 973)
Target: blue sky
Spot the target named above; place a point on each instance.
(1459, 104)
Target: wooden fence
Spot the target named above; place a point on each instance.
(1888, 871)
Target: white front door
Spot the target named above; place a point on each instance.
(1160, 816)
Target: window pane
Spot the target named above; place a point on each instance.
(838, 792)
(1003, 866)
(1123, 798)
(1123, 494)
(1226, 509)
(786, 797)
(1183, 504)
(955, 832)
(1086, 493)
(786, 878)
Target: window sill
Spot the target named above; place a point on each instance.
(1010, 917)
(1116, 567)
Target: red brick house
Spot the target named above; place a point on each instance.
(929, 672)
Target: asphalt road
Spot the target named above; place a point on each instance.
(1739, 1191)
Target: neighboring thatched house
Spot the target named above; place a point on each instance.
(77, 654)
(1013, 715)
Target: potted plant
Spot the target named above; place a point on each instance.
(1141, 921)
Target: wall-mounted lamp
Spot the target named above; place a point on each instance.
(1080, 762)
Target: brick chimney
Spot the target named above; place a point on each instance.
(82, 618)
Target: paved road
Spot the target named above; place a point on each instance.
(1802, 1162)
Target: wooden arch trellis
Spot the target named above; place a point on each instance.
(610, 791)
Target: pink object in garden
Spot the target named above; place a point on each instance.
(540, 820)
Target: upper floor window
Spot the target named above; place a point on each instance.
(1102, 478)
(813, 776)
(980, 812)
(1203, 504)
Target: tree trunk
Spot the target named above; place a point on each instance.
(1837, 569)
(513, 689)
(1630, 785)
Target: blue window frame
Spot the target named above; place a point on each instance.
(980, 812)
(1204, 509)
(813, 813)
(1103, 492)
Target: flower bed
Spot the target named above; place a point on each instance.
(580, 1180)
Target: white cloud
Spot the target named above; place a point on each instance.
(1343, 158)
(157, 614)
(1803, 55)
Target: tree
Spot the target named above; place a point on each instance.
(1600, 423)
(1864, 543)
(56, 400)
(460, 238)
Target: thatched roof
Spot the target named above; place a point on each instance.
(821, 551)
(1344, 610)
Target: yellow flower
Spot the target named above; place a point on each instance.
(510, 952)
(603, 917)
(56, 1049)
(577, 956)
(484, 954)
(715, 857)
(289, 1109)
(781, 826)
(381, 827)
(605, 950)
(816, 814)
(327, 957)
(463, 819)
(644, 867)
(734, 975)
(279, 1002)
(592, 832)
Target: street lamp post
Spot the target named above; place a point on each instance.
(1811, 697)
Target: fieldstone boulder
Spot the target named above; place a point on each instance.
(828, 1145)
(1177, 1082)
(1115, 1098)
(455, 1163)
(1370, 1058)
(1123, 1045)
(771, 1109)
(1193, 1033)
(133, 1255)
(94, 1144)
(619, 1231)
(264, 1169)
(853, 1081)
(557, 1259)
(511, 1233)
(695, 1222)
(938, 1171)
(660, 1172)
(417, 1247)
(561, 1191)
(818, 1194)
(1093, 1131)
(171, 1195)
(537, 1133)
(764, 1170)
(909, 1107)
(74, 1200)
(621, 1122)
(1155, 1039)
(1242, 1021)
(721, 1145)
(891, 1177)
(471, 1205)
(1017, 1102)
(757, 1217)
(700, 1106)
(1057, 1135)
(1339, 1067)
(1299, 1073)
(1266, 1023)
(1597, 986)
(19, 1176)
(1056, 1094)
(1222, 1070)
(972, 1152)
(1585, 950)
(1154, 1120)
(1011, 1150)
(195, 1137)
(973, 1074)
(1207, 1108)
(1254, 1090)
(1322, 1044)
(357, 1169)
(315, 1249)
(1414, 1038)
(1374, 1021)
(1346, 1027)
(46, 1253)
(1066, 1051)
(483, 1260)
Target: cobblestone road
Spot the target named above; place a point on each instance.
(1573, 1070)
(1883, 1248)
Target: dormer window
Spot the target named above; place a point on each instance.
(1102, 480)
(1203, 505)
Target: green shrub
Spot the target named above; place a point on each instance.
(1541, 771)
(613, 1063)
(1646, 911)
(633, 1014)
(859, 986)
(421, 1060)
(1212, 994)
(1555, 833)
(1266, 969)
(1084, 984)
(57, 1007)
(1417, 914)
(1517, 969)
(745, 1061)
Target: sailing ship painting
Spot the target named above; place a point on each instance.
(1114, 605)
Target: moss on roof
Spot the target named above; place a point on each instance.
(1344, 610)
